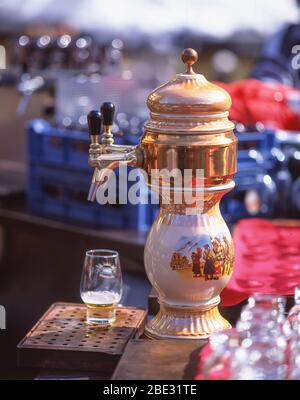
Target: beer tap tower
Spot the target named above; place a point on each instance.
(189, 250)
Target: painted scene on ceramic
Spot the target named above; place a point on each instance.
(203, 257)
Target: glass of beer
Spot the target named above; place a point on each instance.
(101, 285)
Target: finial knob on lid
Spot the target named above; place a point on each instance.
(189, 57)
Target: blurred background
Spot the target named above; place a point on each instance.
(59, 60)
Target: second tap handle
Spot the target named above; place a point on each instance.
(108, 111)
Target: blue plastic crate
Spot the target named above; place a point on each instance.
(41, 145)
(132, 216)
(56, 146)
(250, 140)
(79, 209)
(46, 192)
(232, 205)
(62, 193)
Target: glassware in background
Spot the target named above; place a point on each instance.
(294, 351)
(294, 312)
(263, 307)
(264, 346)
(262, 354)
(276, 304)
(218, 365)
(101, 285)
(294, 342)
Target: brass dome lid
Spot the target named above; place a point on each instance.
(189, 103)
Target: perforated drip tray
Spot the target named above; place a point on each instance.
(62, 339)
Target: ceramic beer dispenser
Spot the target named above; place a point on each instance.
(189, 250)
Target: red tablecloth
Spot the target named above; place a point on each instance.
(267, 260)
(269, 103)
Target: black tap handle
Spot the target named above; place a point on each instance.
(94, 119)
(108, 111)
